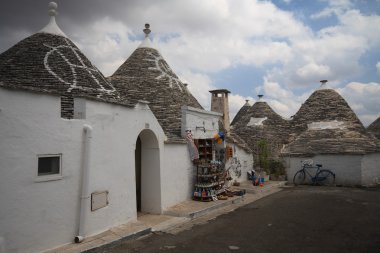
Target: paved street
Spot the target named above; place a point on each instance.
(300, 219)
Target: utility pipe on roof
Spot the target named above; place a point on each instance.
(85, 194)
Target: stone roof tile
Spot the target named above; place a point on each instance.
(325, 124)
(145, 75)
(374, 128)
(51, 63)
(271, 127)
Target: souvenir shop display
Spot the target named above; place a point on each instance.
(211, 174)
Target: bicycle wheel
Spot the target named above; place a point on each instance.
(326, 178)
(299, 177)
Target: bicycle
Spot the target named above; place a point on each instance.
(321, 177)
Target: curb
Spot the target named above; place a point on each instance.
(110, 245)
(235, 200)
(206, 210)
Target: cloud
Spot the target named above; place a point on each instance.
(236, 102)
(335, 7)
(198, 85)
(363, 98)
(313, 70)
(282, 99)
(378, 67)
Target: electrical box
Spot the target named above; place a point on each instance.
(99, 200)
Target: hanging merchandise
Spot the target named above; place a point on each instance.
(229, 152)
(194, 155)
(210, 181)
(219, 137)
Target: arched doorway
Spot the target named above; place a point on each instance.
(147, 173)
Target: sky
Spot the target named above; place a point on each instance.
(278, 48)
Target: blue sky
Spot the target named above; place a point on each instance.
(279, 48)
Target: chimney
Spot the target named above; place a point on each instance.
(219, 103)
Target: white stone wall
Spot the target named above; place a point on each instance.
(346, 167)
(36, 216)
(371, 169)
(178, 175)
(203, 124)
(242, 157)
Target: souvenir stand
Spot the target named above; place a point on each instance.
(206, 149)
(211, 175)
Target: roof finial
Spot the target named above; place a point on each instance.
(53, 9)
(146, 42)
(260, 97)
(324, 85)
(52, 26)
(147, 30)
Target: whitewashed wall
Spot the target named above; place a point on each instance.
(203, 124)
(371, 169)
(246, 163)
(36, 216)
(346, 167)
(178, 175)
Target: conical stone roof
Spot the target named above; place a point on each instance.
(145, 75)
(49, 62)
(243, 110)
(374, 128)
(325, 124)
(260, 122)
(325, 105)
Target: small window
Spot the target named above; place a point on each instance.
(49, 165)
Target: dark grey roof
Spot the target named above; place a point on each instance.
(145, 75)
(332, 141)
(243, 110)
(325, 105)
(274, 129)
(51, 63)
(348, 136)
(374, 128)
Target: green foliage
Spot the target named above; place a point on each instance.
(269, 165)
(263, 154)
(276, 167)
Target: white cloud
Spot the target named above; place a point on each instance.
(106, 42)
(236, 102)
(363, 98)
(313, 70)
(335, 7)
(282, 99)
(198, 85)
(378, 67)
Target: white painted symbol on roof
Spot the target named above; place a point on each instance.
(89, 69)
(166, 71)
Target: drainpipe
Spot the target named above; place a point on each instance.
(85, 183)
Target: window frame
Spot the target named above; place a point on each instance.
(49, 177)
